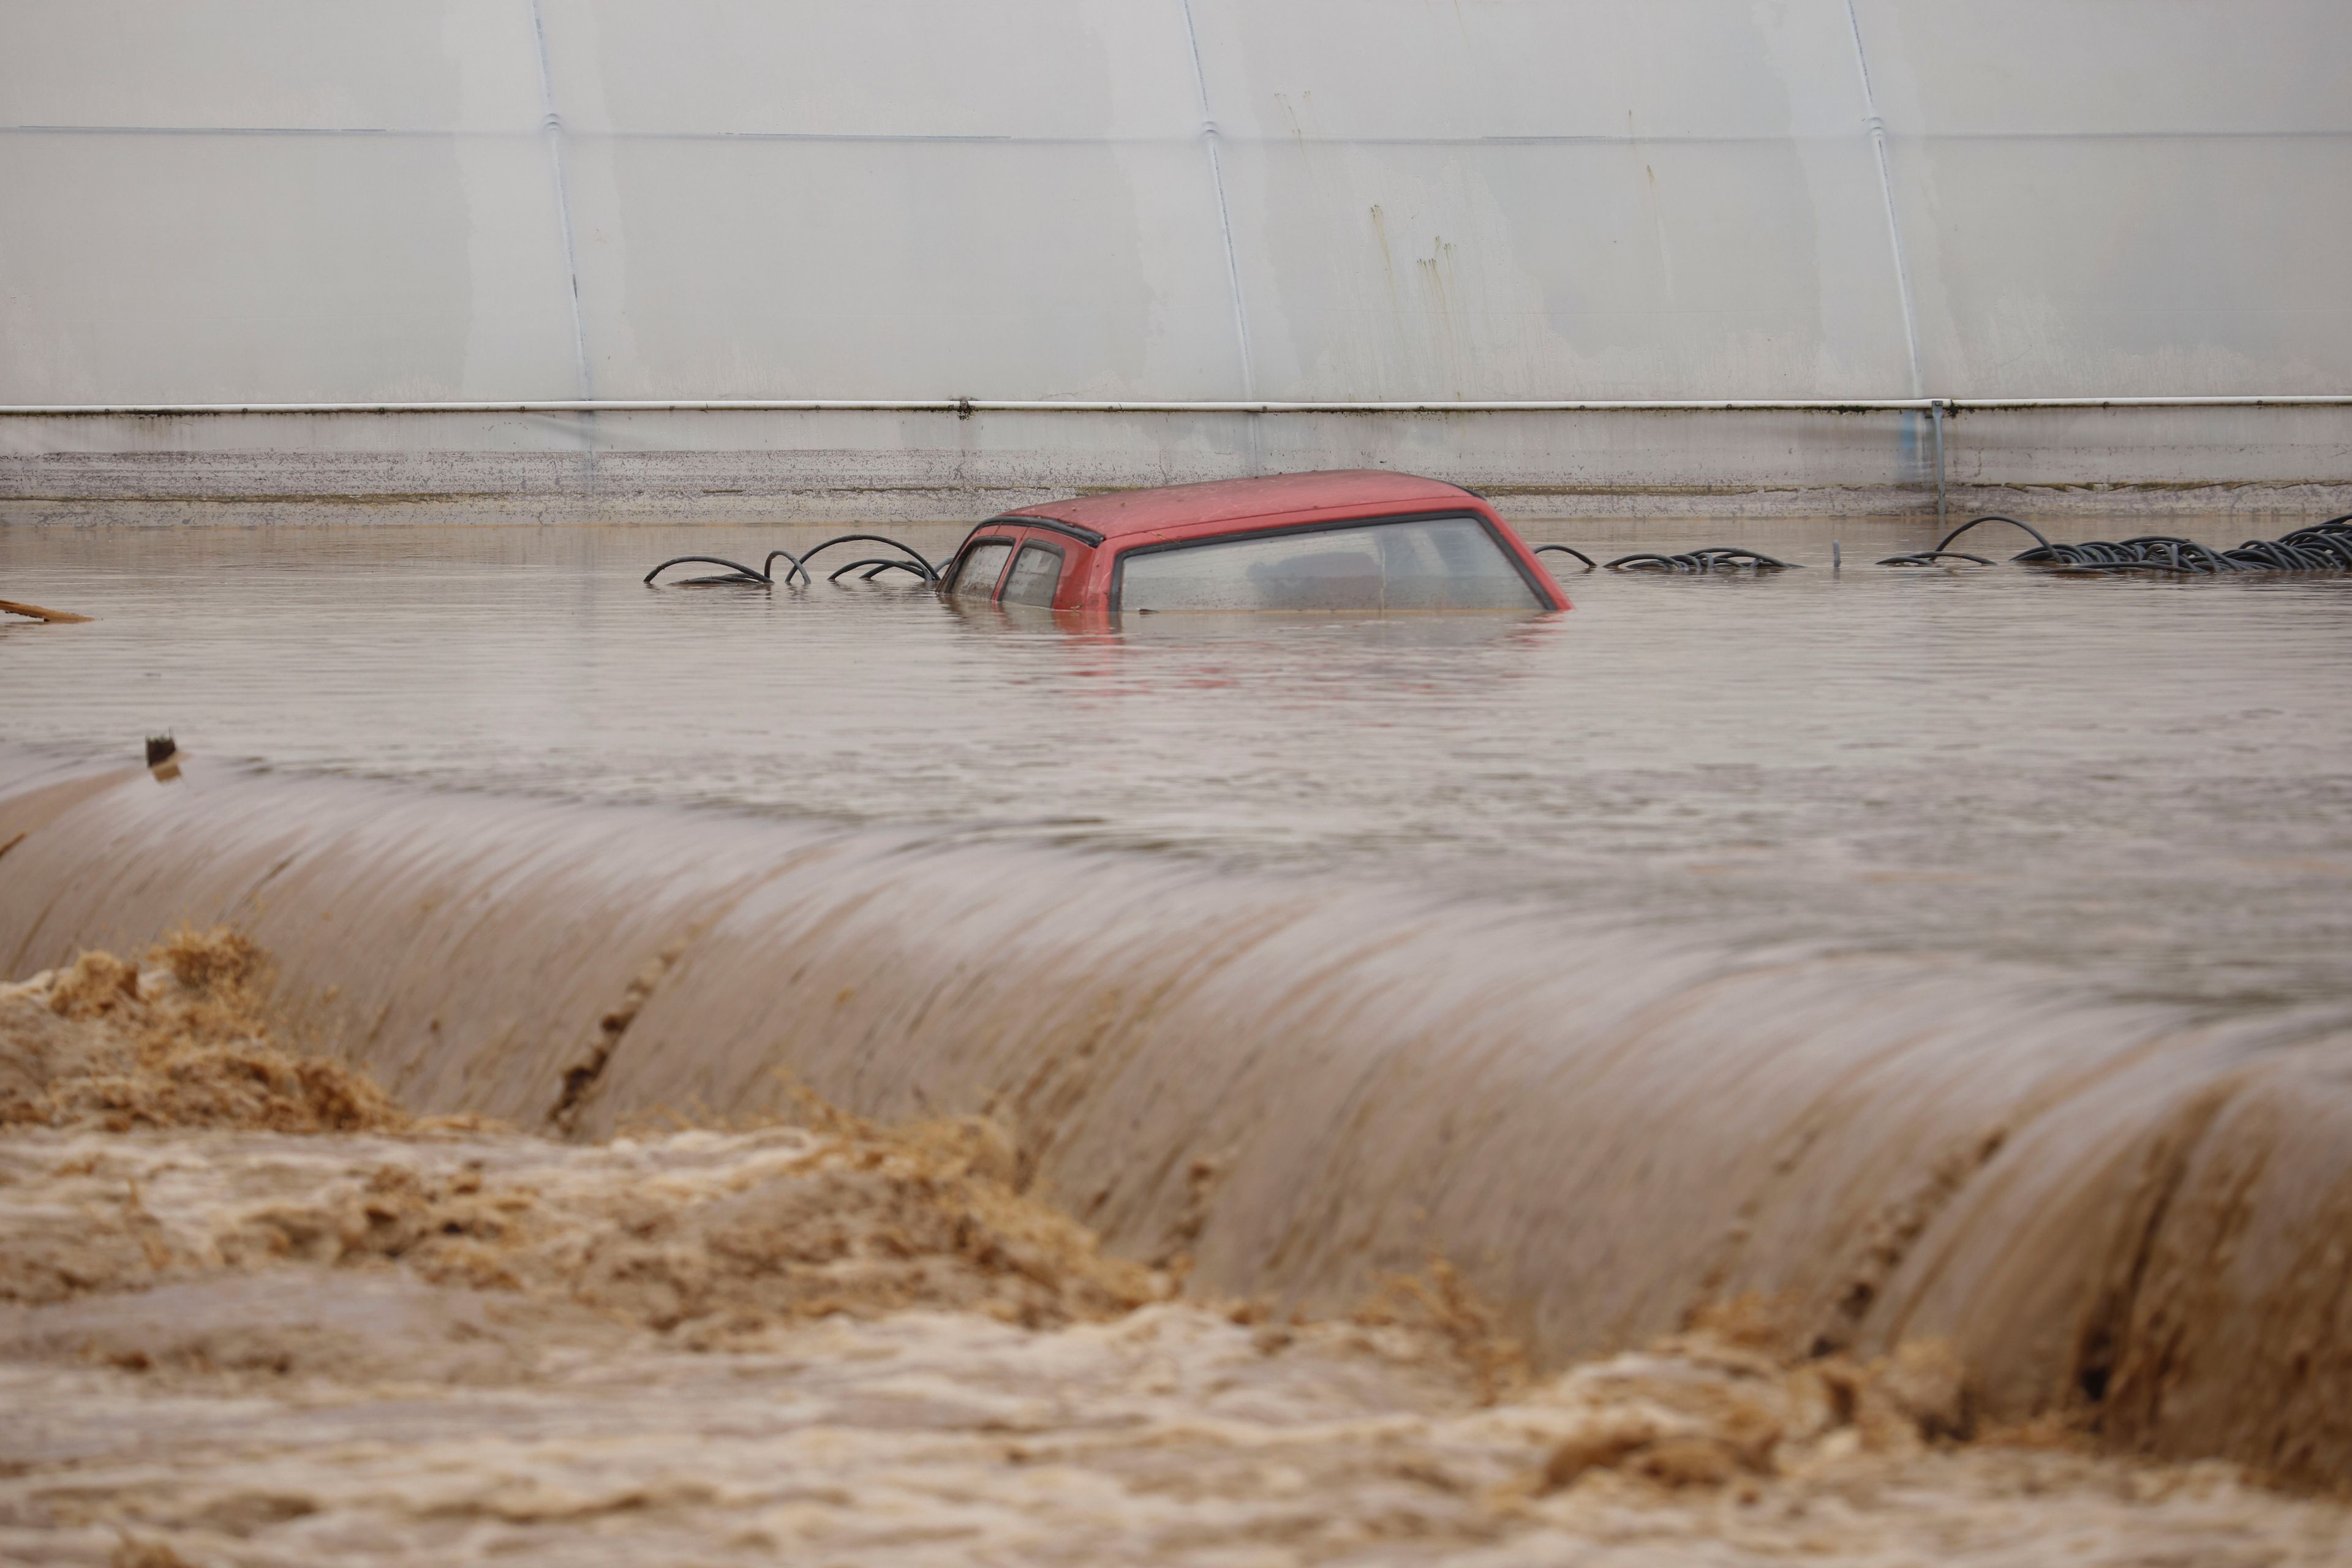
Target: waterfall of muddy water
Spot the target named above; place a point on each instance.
(390, 1340)
(1960, 955)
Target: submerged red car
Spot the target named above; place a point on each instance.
(1356, 539)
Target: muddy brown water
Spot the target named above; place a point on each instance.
(1959, 953)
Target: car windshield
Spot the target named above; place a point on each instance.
(1421, 563)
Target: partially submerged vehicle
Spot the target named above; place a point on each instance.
(1361, 541)
(1356, 540)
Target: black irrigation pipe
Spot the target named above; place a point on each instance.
(1944, 545)
(743, 574)
(1930, 557)
(2323, 547)
(1590, 564)
(1709, 558)
(762, 575)
(931, 573)
(879, 566)
(2039, 537)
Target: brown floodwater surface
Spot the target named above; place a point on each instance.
(2147, 783)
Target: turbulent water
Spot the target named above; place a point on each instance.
(407, 1341)
(1945, 958)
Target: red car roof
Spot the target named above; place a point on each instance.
(1228, 501)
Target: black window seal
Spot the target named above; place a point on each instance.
(1061, 564)
(1546, 595)
(1086, 536)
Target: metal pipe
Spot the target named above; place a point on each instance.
(988, 405)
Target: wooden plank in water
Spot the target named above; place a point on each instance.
(11, 606)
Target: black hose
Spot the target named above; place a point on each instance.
(880, 565)
(931, 572)
(1734, 554)
(1708, 558)
(743, 574)
(1945, 542)
(1567, 549)
(2323, 547)
(919, 567)
(2336, 544)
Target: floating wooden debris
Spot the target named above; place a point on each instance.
(10, 607)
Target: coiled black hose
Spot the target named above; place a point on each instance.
(929, 573)
(762, 575)
(1930, 557)
(743, 574)
(879, 566)
(1711, 558)
(2323, 547)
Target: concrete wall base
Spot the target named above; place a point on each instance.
(905, 466)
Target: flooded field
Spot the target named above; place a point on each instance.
(1948, 966)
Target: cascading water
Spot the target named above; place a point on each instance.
(1304, 1083)
(1949, 958)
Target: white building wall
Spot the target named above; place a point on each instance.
(290, 200)
(2107, 198)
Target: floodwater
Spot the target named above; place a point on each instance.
(1946, 959)
(2140, 784)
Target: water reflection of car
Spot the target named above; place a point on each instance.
(1361, 541)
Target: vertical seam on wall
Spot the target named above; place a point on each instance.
(1224, 217)
(1886, 190)
(1935, 413)
(553, 124)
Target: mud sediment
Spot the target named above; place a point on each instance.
(2120, 1219)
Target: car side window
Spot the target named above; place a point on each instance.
(976, 578)
(1036, 574)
